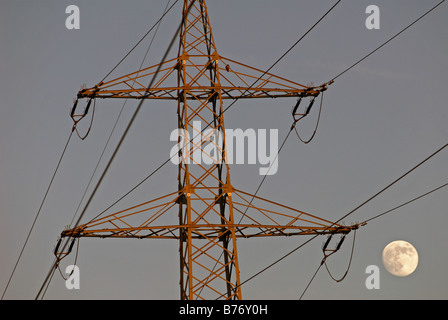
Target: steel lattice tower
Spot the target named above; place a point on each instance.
(210, 209)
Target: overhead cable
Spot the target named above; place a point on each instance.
(121, 140)
(396, 35)
(38, 211)
(348, 214)
(136, 45)
(226, 109)
(119, 115)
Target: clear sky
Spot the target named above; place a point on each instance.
(378, 121)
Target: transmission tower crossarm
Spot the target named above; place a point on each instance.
(237, 81)
(169, 231)
(266, 219)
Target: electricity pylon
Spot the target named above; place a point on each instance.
(212, 213)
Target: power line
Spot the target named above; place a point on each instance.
(253, 197)
(134, 116)
(394, 182)
(312, 278)
(91, 123)
(387, 187)
(158, 168)
(396, 35)
(377, 216)
(407, 202)
(39, 210)
(136, 45)
(226, 109)
(119, 114)
(122, 137)
(287, 51)
(381, 191)
(56, 263)
(275, 262)
(317, 123)
(349, 262)
(288, 134)
(65, 148)
(292, 127)
(349, 213)
(324, 262)
(264, 178)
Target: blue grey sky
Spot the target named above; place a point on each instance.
(379, 120)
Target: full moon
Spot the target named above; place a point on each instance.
(400, 258)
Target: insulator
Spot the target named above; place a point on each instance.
(213, 96)
(327, 242)
(310, 106)
(296, 106)
(72, 113)
(86, 111)
(181, 96)
(71, 246)
(177, 66)
(57, 247)
(211, 66)
(340, 243)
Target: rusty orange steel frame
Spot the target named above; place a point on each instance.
(211, 211)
